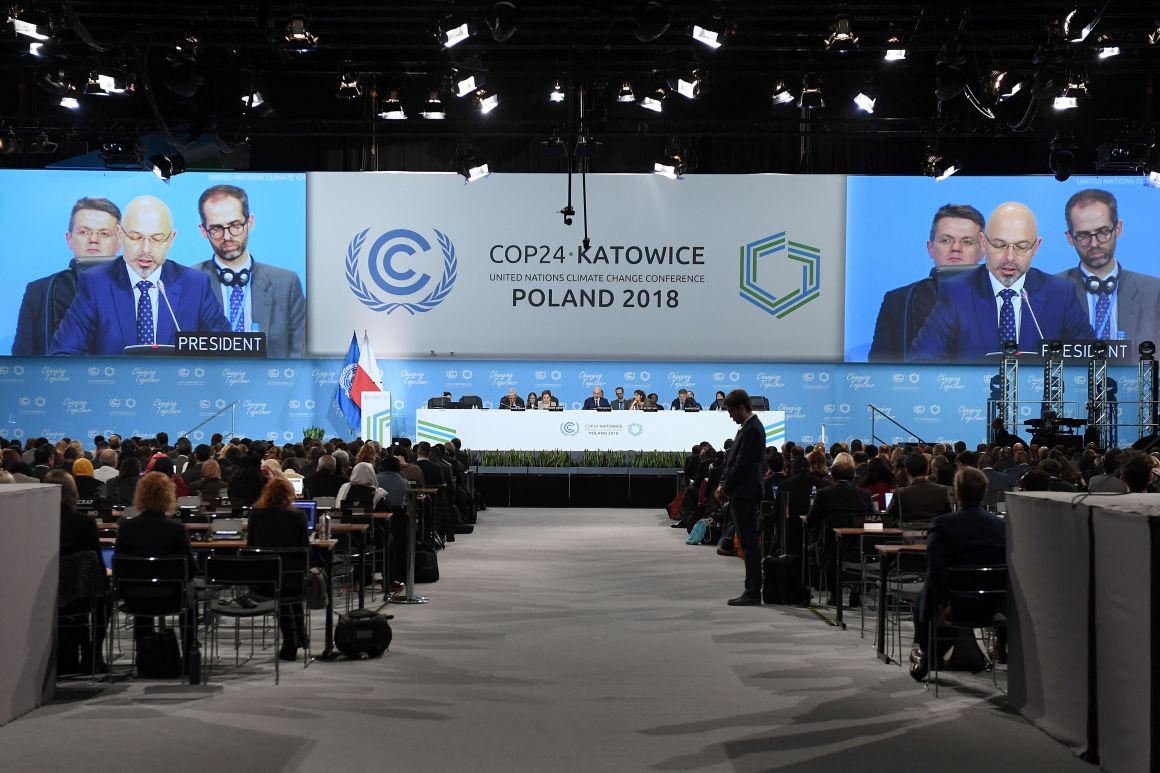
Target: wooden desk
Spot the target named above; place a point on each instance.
(886, 555)
(841, 533)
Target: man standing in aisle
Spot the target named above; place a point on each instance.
(741, 485)
(256, 297)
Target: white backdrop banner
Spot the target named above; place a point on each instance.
(588, 430)
(708, 267)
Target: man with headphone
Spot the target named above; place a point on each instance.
(1121, 304)
(256, 297)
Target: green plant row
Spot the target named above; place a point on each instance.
(599, 458)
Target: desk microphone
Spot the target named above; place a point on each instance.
(1026, 300)
(168, 305)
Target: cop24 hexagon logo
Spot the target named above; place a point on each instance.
(792, 277)
(401, 285)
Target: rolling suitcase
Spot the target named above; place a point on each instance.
(781, 574)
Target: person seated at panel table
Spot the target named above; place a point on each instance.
(639, 400)
(718, 403)
(693, 401)
(547, 401)
(511, 400)
(620, 404)
(970, 536)
(652, 404)
(596, 400)
(1003, 300)
(681, 401)
(533, 401)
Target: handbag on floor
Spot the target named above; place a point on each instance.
(158, 656)
(426, 564)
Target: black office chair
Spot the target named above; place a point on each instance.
(154, 587)
(470, 401)
(978, 599)
(440, 402)
(80, 602)
(249, 587)
(759, 402)
(295, 567)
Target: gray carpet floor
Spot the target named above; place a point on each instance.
(556, 640)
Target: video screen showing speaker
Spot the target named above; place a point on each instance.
(109, 263)
(949, 271)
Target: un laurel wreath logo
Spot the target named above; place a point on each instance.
(382, 252)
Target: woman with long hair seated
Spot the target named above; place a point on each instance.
(210, 485)
(122, 488)
(276, 523)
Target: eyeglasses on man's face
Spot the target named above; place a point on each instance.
(1021, 249)
(85, 233)
(967, 242)
(157, 240)
(219, 231)
(1102, 236)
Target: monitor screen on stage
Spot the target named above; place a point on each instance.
(222, 253)
(925, 283)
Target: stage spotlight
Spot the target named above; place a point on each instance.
(467, 84)
(781, 95)
(689, 84)
(625, 94)
(502, 20)
(1061, 158)
(894, 49)
(811, 95)
(31, 24)
(472, 165)
(1079, 23)
(455, 33)
(165, 165)
(711, 33)
(652, 20)
(867, 96)
(1154, 35)
(1069, 99)
(841, 38)
(392, 107)
(948, 76)
(655, 100)
(1106, 48)
(1003, 85)
(298, 37)
(349, 86)
(433, 110)
(557, 93)
(1147, 350)
(255, 99)
(936, 165)
(672, 163)
(70, 103)
(1010, 348)
(486, 101)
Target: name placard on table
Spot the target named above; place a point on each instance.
(222, 344)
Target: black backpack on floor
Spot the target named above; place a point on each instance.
(363, 633)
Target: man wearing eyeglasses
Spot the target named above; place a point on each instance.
(955, 240)
(1120, 303)
(1003, 300)
(142, 300)
(256, 297)
(93, 238)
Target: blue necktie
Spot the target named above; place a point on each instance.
(1104, 316)
(237, 315)
(1007, 316)
(144, 314)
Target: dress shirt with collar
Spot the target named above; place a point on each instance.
(154, 295)
(247, 310)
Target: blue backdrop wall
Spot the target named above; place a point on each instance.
(278, 398)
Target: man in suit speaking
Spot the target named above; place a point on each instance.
(1003, 300)
(596, 400)
(141, 300)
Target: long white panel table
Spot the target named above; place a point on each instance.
(30, 523)
(572, 430)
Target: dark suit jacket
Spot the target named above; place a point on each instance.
(279, 306)
(920, 501)
(102, 319)
(900, 317)
(964, 324)
(432, 473)
(45, 302)
(591, 403)
(325, 483)
(505, 402)
(840, 505)
(154, 534)
(1137, 302)
(77, 532)
(620, 405)
(741, 476)
(967, 537)
(677, 405)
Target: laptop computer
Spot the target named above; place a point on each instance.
(296, 483)
(227, 528)
(194, 502)
(324, 503)
(311, 510)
